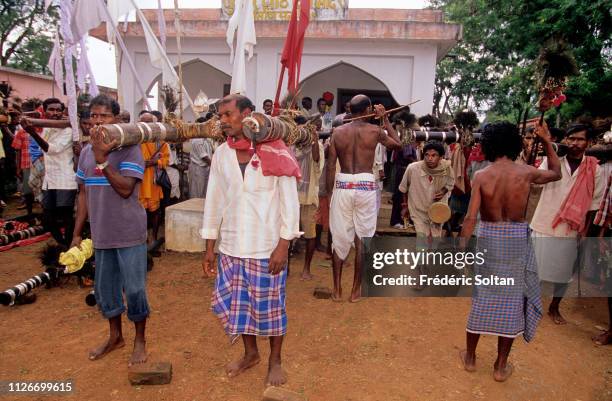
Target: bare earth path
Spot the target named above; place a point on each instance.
(379, 349)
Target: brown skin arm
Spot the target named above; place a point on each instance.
(469, 222)
(81, 216)
(391, 140)
(554, 165)
(331, 167)
(124, 186)
(208, 263)
(279, 256)
(29, 128)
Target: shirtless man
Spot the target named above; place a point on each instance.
(353, 203)
(500, 193)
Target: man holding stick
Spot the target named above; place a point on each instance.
(252, 200)
(353, 203)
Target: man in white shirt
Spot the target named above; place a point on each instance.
(199, 163)
(252, 201)
(555, 225)
(59, 184)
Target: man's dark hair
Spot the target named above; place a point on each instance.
(307, 99)
(557, 134)
(105, 101)
(434, 145)
(574, 128)
(242, 102)
(359, 104)
(84, 115)
(52, 100)
(321, 100)
(204, 118)
(268, 101)
(142, 112)
(501, 139)
(158, 115)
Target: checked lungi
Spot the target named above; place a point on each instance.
(249, 300)
(506, 310)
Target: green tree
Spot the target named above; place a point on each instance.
(23, 42)
(502, 39)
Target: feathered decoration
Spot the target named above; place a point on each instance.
(466, 120)
(168, 96)
(428, 121)
(555, 64)
(404, 117)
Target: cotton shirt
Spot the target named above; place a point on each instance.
(253, 213)
(421, 190)
(59, 163)
(115, 222)
(553, 195)
(311, 196)
(21, 142)
(200, 148)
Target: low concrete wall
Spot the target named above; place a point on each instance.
(183, 224)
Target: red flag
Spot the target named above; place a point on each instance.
(291, 59)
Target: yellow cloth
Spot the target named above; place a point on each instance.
(75, 257)
(150, 193)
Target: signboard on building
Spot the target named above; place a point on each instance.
(280, 10)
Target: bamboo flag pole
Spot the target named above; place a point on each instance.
(177, 28)
(109, 20)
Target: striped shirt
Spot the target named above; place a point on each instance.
(251, 214)
(200, 148)
(116, 222)
(59, 162)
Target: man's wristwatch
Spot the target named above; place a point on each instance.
(102, 166)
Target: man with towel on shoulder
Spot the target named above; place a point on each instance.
(353, 203)
(500, 192)
(564, 213)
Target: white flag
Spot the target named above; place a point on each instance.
(160, 60)
(86, 15)
(116, 9)
(55, 64)
(242, 21)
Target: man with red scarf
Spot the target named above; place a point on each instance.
(252, 200)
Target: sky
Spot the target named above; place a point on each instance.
(102, 55)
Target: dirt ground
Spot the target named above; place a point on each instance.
(379, 349)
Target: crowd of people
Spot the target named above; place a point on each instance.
(260, 200)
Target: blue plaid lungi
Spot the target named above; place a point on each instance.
(506, 310)
(249, 300)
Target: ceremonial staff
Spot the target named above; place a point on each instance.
(555, 64)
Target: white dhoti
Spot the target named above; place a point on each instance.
(352, 211)
(555, 257)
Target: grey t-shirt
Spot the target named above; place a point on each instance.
(115, 222)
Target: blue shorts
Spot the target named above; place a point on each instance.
(120, 270)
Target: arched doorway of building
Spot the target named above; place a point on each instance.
(345, 80)
(197, 76)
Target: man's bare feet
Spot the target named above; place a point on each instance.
(501, 375)
(139, 354)
(604, 338)
(306, 276)
(328, 256)
(110, 345)
(235, 368)
(276, 375)
(556, 316)
(355, 298)
(469, 363)
(337, 295)
(321, 248)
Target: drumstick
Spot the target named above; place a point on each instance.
(386, 112)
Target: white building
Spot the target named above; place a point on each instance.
(388, 54)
